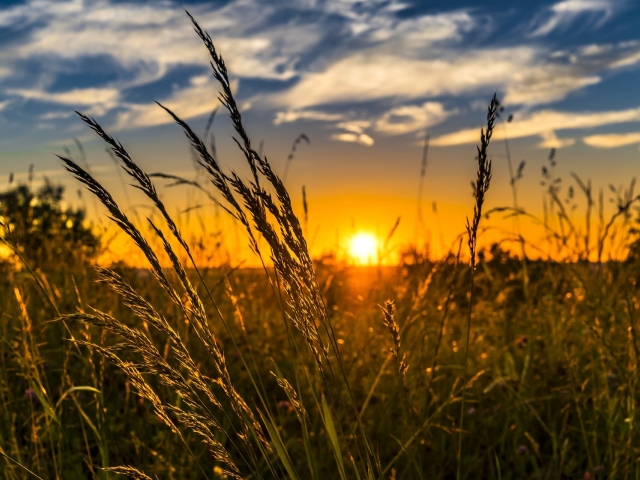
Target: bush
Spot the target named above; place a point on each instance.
(42, 231)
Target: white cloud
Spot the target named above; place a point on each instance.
(146, 42)
(376, 21)
(322, 54)
(527, 74)
(151, 39)
(155, 37)
(411, 118)
(295, 115)
(562, 14)
(199, 98)
(544, 123)
(56, 115)
(355, 132)
(361, 138)
(612, 140)
(355, 126)
(396, 121)
(551, 140)
(108, 97)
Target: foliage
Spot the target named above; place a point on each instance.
(42, 230)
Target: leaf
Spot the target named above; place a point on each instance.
(333, 436)
(280, 448)
(82, 388)
(498, 470)
(44, 401)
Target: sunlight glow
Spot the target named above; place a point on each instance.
(5, 252)
(363, 248)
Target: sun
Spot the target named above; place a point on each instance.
(363, 248)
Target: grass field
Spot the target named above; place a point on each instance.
(482, 364)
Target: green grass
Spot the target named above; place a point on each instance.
(293, 370)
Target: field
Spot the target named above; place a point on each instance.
(481, 364)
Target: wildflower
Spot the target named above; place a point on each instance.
(522, 340)
(30, 393)
(523, 450)
(285, 405)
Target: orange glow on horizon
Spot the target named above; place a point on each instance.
(353, 228)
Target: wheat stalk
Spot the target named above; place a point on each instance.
(483, 179)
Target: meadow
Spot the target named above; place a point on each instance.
(486, 363)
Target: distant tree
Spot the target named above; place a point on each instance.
(42, 231)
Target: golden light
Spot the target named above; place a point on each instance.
(363, 248)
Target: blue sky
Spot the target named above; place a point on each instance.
(362, 79)
(368, 70)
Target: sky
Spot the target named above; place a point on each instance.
(365, 81)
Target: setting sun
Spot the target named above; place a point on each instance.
(363, 248)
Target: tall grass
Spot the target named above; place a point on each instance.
(293, 274)
(481, 186)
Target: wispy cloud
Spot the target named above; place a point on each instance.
(295, 115)
(361, 138)
(199, 98)
(550, 140)
(562, 14)
(395, 121)
(612, 140)
(146, 42)
(398, 72)
(149, 39)
(544, 123)
(529, 75)
(355, 132)
(100, 99)
(412, 118)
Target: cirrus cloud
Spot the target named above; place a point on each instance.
(412, 118)
(612, 140)
(544, 123)
(560, 15)
(383, 62)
